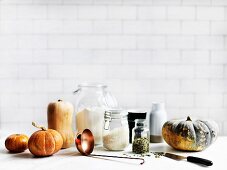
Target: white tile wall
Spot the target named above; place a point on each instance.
(145, 50)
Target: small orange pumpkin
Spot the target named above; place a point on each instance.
(44, 142)
(16, 143)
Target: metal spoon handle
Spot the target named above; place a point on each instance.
(124, 157)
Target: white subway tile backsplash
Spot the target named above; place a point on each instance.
(46, 2)
(32, 71)
(31, 12)
(180, 100)
(8, 71)
(32, 41)
(151, 71)
(77, 2)
(16, 27)
(196, 2)
(121, 12)
(62, 12)
(79, 56)
(151, 42)
(134, 86)
(180, 42)
(33, 100)
(209, 100)
(9, 100)
(106, 57)
(77, 27)
(47, 56)
(107, 27)
(165, 27)
(219, 57)
(48, 26)
(16, 56)
(209, 42)
(16, 86)
(167, 2)
(164, 86)
(92, 12)
(179, 71)
(209, 71)
(195, 27)
(137, 27)
(121, 42)
(146, 100)
(218, 28)
(213, 112)
(152, 12)
(219, 2)
(166, 56)
(62, 41)
(8, 12)
(17, 2)
(171, 51)
(93, 42)
(48, 86)
(77, 71)
(218, 86)
(195, 56)
(195, 86)
(109, 2)
(121, 72)
(8, 42)
(137, 2)
(210, 13)
(136, 56)
(181, 12)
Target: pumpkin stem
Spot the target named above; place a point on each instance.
(189, 119)
(37, 126)
(59, 100)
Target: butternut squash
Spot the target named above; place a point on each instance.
(59, 115)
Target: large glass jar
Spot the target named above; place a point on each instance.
(91, 103)
(116, 130)
(140, 137)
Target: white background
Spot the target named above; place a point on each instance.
(145, 50)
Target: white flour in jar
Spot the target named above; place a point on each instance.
(91, 119)
(116, 139)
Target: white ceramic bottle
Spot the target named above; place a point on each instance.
(158, 117)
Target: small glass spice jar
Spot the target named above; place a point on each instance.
(140, 137)
(116, 130)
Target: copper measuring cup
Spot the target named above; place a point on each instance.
(85, 145)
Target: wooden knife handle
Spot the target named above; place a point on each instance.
(199, 160)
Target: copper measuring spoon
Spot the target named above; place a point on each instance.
(85, 145)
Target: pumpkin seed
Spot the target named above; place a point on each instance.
(140, 145)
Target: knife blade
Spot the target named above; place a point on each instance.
(192, 159)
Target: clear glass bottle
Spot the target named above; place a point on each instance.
(91, 103)
(140, 137)
(116, 130)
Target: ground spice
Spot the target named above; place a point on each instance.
(140, 145)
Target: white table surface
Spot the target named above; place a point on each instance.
(71, 159)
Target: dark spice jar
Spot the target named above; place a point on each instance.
(132, 116)
(141, 137)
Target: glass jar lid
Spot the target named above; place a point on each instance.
(115, 114)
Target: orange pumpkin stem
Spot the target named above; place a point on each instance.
(189, 119)
(37, 126)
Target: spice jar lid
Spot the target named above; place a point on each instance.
(116, 114)
(140, 122)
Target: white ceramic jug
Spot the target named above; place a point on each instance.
(158, 117)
